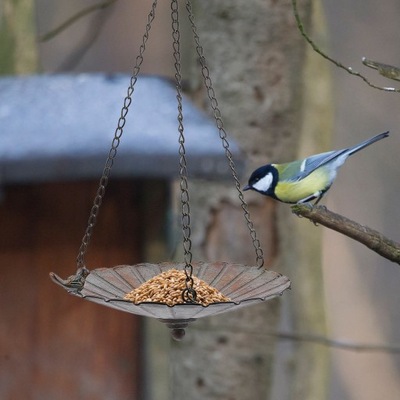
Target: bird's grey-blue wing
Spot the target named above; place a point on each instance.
(336, 157)
(311, 163)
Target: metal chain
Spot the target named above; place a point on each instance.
(113, 151)
(223, 135)
(189, 294)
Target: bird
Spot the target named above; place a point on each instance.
(303, 181)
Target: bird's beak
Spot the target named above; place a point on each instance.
(247, 187)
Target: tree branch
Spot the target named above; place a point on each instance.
(339, 344)
(388, 71)
(76, 17)
(371, 238)
(315, 339)
(333, 61)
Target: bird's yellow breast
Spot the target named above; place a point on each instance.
(292, 192)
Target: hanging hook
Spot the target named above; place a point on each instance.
(73, 283)
(189, 294)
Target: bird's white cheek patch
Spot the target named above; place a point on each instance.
(264, 183)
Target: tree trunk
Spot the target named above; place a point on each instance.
(256, 58)
(302, 248)
(18, 51)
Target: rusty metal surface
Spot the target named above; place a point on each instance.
(245, 285)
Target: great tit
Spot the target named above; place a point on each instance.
(305, 180)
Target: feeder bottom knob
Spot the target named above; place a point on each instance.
(177, 326)
(178, 334)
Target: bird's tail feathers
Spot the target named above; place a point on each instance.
(366, 143)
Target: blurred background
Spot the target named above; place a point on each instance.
(361, 292)
(361, 288)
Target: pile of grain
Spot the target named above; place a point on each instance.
(167, 288)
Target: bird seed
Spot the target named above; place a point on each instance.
(167, 288)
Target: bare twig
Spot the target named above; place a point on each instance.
(73, 58)
(333, 61)
(388, 71)
(339, 344)
(70, 21)
(374, 240)
(315, 339)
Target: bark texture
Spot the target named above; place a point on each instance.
(18, 51)
(256, 59)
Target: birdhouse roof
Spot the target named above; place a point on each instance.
(60, 127)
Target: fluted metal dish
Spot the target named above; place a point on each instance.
(244, 285)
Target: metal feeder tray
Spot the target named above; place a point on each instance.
(244, 285)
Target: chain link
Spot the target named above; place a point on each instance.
(188, 294)
(114, 146)
(223, 135)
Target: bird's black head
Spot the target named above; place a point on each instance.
(263, 180)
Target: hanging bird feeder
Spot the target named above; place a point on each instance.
(174, 293)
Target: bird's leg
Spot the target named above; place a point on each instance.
(305, 202)
(318, 199)
(322, 194)
(308, 200)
